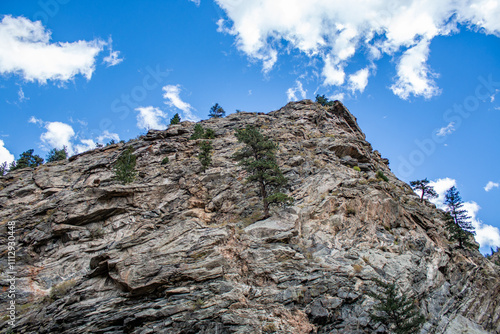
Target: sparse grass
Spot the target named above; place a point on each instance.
(357, 268)
(381, 176)
(366, 259)
(356, 168)
(269, 328)
(164, 161)
(350, 211)
(198, 303)
(61, 289)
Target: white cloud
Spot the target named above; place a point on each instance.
(5, 155)
(291, 92)
(107, 136)
(197, 2)
(172, 96)
(57, 136)
(85, 145)
(414, 76)
(26, 50)
(446, 130)
(150, 118)
(113, 58)
(35, 120)
(491, 185)
(22, 97)
(335, 31)
(486, 235)
(359, 80)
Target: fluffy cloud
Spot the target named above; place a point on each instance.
(291, 92)
(359, 80)
(491, 185)
(26, 50)
(335, 31)
(150, 118)
(5, 155)
(58, 135)
(446, 130)
(172, 97)
(486, 235)
(107, 136)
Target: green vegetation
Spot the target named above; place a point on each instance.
(381, 176)
(124, 167)
(164, 161)
(200, 132)
(26, 159)
(321, 99)
(457, 221)
(205, 155)
(356, 168)
(56, 155)
(425, 188)
(259, 160)
(60, 290)
(397, 312)
(216, 111)
(3, 168)
(175, 120)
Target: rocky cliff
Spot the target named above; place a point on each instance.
(184, 251)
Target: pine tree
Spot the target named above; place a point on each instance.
(198, 132)
(3, 168)
(124, 167)
(458, 222)
(321, 99)
(397, 312)
(56, 155)
(425, 188)
(216, 111)
(175, 120)
(259, 160)
(205, 155)
(26, 159)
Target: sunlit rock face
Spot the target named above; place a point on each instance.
(184, 251)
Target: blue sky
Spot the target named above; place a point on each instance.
(422, 77)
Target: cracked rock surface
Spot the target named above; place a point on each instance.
(182, 251)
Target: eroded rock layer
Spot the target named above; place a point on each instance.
(182, 251)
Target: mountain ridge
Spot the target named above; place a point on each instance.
(182, 251)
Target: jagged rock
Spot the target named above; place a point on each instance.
(185, 251)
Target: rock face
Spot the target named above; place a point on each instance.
(182, 251)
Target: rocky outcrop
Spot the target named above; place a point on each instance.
(182, 251)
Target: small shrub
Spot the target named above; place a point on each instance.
(356, 168)
(198, 132)
(61, 289)
(269, 328)
(350, 211)
(209, 134)
(165, 161)
(381, 176)
(321, 99)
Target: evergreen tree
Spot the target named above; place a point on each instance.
(198, 132)
(3, 168)
(458, 222)
(205, 155)
(396, 311)
(175, 120)
(124, 167)
(27, 159)
(425, 188)
(56, 155)
(216, 111)
(259, 160)
(321, 99)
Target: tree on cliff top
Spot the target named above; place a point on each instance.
(259, 160)
(425, 189)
